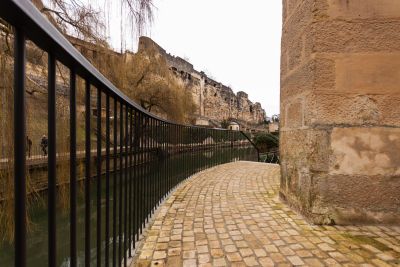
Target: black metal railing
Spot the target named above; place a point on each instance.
(125, 177)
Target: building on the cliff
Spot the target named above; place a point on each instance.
(234, 126)
(215, 102)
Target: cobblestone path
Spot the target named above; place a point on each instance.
(231, 215)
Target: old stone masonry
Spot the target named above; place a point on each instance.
(231, 215)
(214, 100)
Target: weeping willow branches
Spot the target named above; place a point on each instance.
(85, 20)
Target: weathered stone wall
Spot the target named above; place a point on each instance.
(214, 100)
(340, 109)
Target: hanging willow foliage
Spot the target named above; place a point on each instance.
(88, 22)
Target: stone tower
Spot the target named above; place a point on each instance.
(340, 109)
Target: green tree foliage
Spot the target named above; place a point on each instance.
(266, 141)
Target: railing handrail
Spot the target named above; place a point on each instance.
(252, 143)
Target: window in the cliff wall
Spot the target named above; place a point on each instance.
(251, 109)
(189, 76)
(215, 94)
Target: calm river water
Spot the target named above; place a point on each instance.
(37, 233)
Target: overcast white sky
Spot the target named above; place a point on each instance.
(236, 41)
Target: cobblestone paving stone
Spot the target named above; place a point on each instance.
(231, 215)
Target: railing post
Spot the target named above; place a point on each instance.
(130, 182)
(126, 152)
(99, 160)
(115, 196)
(121, 171)
(73, 193)
(19, 149)
(87, 173)
(52, 179)
(107, 249)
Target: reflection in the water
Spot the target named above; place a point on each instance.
(178, 166)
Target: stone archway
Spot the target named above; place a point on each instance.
(340, 109)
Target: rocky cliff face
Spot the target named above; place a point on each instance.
(215, 101)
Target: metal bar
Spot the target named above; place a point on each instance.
(87, 174)
(159, 161)
(115, 197)
(107, 238)
(52, 159)
(130, 182)
(72, 168)
(136, 141)
(151, 169)
(168, 129)
(98, 227)
(147, 168)
(141, 191)
(251, 142)
(126, 186)
(121, 138)
(155, 171)
(19, 149)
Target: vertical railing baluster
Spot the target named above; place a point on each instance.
(87, 173)
(166, 179)
(19, 149)
(181, 153)
(159, 161)
(115, 162)
(169, 158)
(141, 173)
(121, 171)
(147, 177)
(73, 193)
(146, 166)
(126, 186)
(136, 178)
(98, 162)
(52, 179)
(107, 238)
(130, 181)
(153, 173)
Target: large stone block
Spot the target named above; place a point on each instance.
(364, 9)
(377, 73)
(331, 108)
(304, 152)
(342, 36)
(365, 151)
(298, 81)
(295, 52)
(294, 113)
(316, 74)
(351, 199)
(298, 22)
